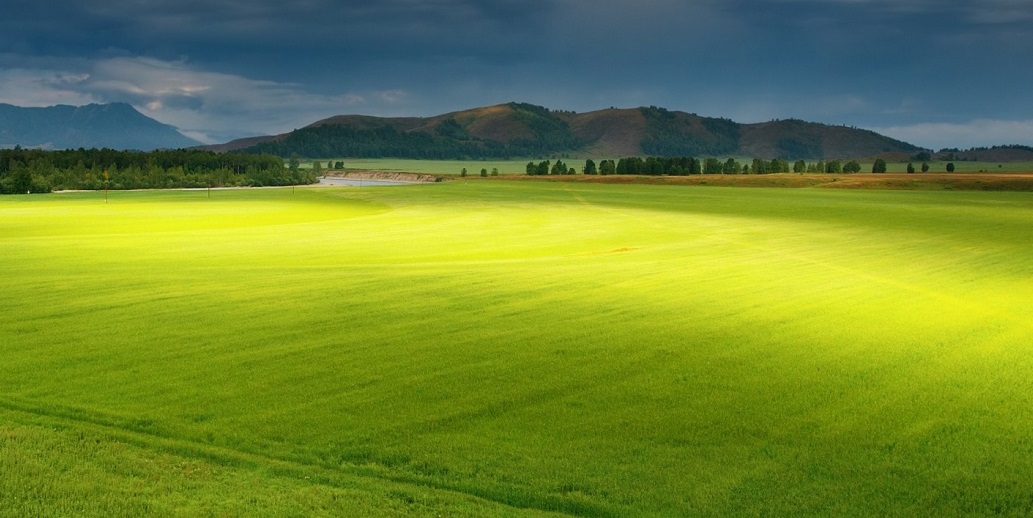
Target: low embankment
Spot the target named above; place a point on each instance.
(384, 176)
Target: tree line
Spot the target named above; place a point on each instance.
(683, 166)
(37, 171)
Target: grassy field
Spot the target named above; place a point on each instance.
(517, 349)
(940, 166)
(473, 167)
(441, 167)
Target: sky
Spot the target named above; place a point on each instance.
(936, 73)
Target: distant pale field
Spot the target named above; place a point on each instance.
(517, 349)
(967, 167)
(473, 167)
(442, 167)
(940, 166)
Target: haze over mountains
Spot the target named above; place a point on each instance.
(114, 126)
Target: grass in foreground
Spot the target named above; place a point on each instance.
(498, 347)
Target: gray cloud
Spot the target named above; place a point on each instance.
(229, 68)
(210, 106)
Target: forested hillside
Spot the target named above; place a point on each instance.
(538, 132)
(794, 139)
(516, 130)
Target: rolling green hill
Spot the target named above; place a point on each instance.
(795, 138)
(525, 130)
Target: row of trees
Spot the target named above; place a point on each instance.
(681, 166)
(34, 171)
(544, 168)
(484, 172)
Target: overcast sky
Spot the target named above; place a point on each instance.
(936, 73)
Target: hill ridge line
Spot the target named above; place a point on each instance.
(526, 130)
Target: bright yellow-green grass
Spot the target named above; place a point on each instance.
(517, 349)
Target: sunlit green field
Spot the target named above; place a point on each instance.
(517, 349)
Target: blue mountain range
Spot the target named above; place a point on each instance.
(114, 126)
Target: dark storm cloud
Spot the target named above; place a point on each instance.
(311, 24)
(211, 66)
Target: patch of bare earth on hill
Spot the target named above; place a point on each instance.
(917, 181)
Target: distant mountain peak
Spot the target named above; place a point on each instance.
(113, 125)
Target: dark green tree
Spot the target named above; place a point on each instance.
(590, 167)
(799, 166)
(910, 168)
(712, 166)
(543, 168)
(631, 165)
(852, 167)
(778, 166)
(879, 166)
(484, 172)
(760, 166)
(20, 181)
(695, 166)
(925, 167)
(731, 167)
(559, 167)
(950, 167)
